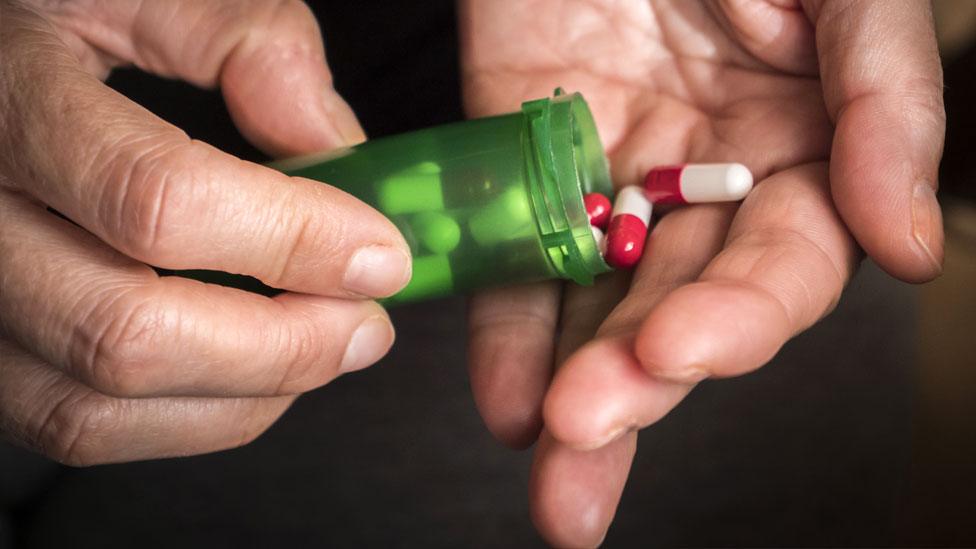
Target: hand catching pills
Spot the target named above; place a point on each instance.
(780, 87)
(102, 360)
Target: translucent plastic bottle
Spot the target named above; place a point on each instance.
(484, 202)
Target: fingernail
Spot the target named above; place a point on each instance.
(927, 224)
(610, 436)
(350, 130)
(343, 119)
(689, 374)
(371, 340)
(377, 271)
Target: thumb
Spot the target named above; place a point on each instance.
(279, 90)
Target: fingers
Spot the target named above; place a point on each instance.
(267, 58)
(151, 193)
(585, 309)
(785, 263)
(111, 323)
(787, 260)
(512, 341)
(775, 32)
(46, 411)
(882, 82)
(581, 466)
(575, 493)
(510, 357)
(602, 391)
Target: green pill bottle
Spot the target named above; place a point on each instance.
(484, 202)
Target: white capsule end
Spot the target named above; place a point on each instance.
(632, 200)
(738, 181)
(715, 182)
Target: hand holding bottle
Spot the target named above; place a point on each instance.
(101, 359)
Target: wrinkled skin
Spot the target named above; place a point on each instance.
(101, 360)
(781, 86)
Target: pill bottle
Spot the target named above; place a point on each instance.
(485, 202)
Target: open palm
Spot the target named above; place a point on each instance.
(780, 86)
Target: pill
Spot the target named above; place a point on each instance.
(432, 277)
(692, 183)
(629, 225)
(601, 239)
(467, 186)
(415, 189)
(437, 232)
(508, 216)
(597, 209)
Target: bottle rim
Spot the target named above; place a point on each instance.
(565, 160)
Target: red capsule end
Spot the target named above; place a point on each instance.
(597, 209)
(663, 185)
(625, 241)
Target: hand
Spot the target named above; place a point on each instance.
(102, 360)
(781, 86)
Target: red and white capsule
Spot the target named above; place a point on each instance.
(629, 224)
(693, 183)
(597, 209)
(600, 238)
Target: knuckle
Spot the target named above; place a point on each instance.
(290, 14)
(307, 362)
(281, 31)
(74, 431)
(114, 349)
(152, 192)
(926, 99)
(306, 241)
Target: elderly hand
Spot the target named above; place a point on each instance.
(102, 360)
(782, 86)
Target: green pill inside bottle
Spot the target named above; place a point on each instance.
(437, 232)
(485, 202)
(415, 189)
